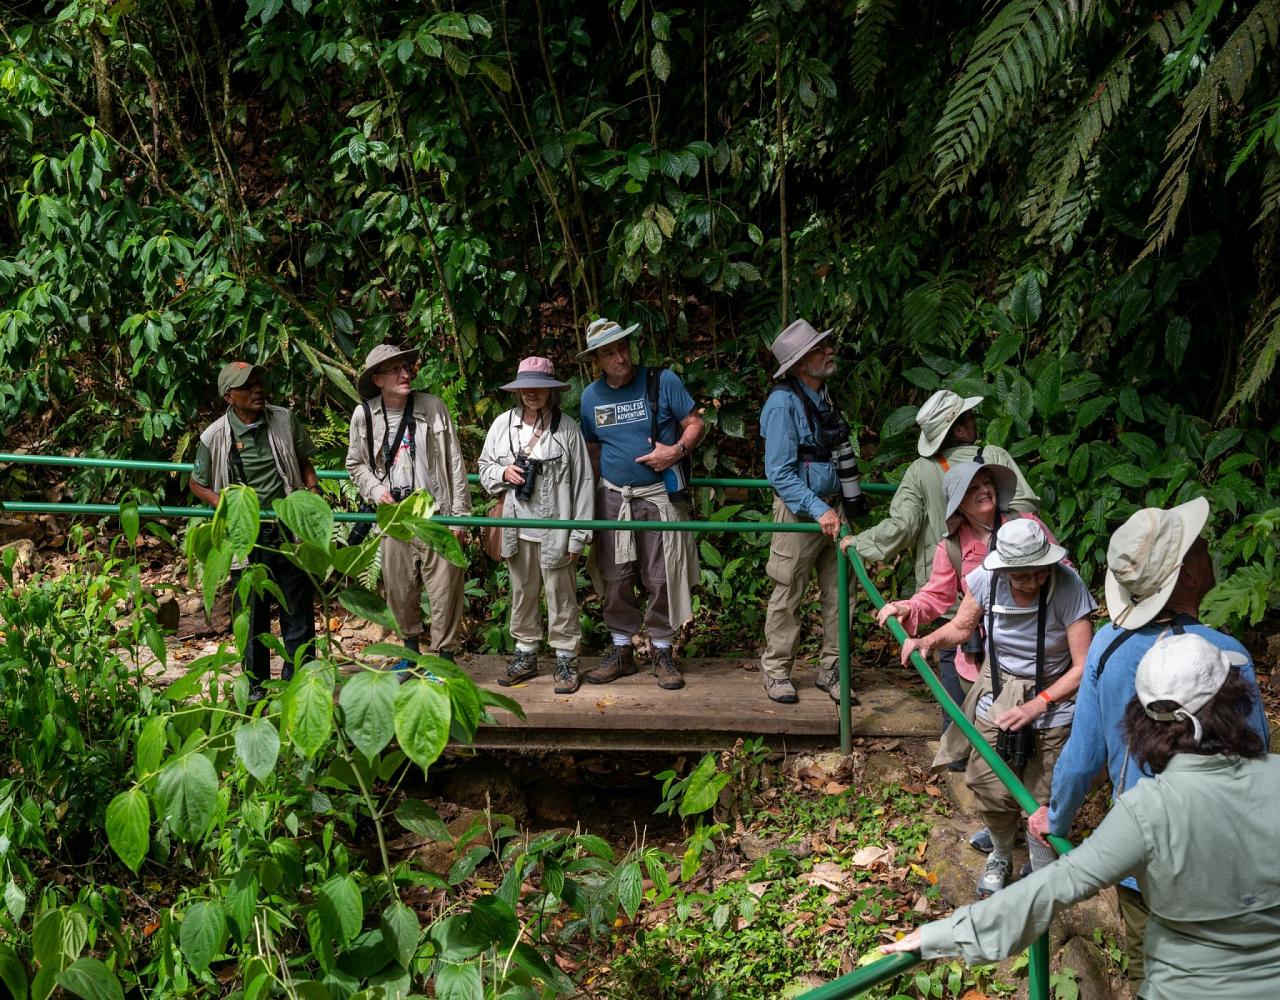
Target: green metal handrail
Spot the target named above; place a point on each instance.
(891, 966)
(140, 465)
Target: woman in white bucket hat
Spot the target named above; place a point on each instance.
(1198, 837)
(537, 461)
(1035, 612)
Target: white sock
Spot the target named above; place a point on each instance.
(620, 638)
(661, 643)
(526, 647)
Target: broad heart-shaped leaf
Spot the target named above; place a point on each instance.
(307, 516)
(239, 902)
(216, 569)
(369, 606)
(464, 697)
(186, 794)
(258, 746)
(12, 973)
(630, 888)
(704, 787)
(368, 703)
(237, 519)
(89, 979)
(308, 708)
(418, 817)
(149, 747)
(353, 560)
(341, 908)
(311, 559)
(203, 934)
(129, 826)
(458, 982)
(411, 518)
(422, 720)
(400, 932)
(494, 919)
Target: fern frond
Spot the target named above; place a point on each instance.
(1269, 196)
(866, 43)
(1186, 48)
(937, 311)
(1230, 71)
(1262, 344)
(1008, 63)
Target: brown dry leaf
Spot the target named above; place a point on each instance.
(827, 874)
(921, 905)
(758, 889)
(567, 964)
(913, 789)
(933, 790)
(866, 857)
(975, 995)
(835, 788)
(335, 624)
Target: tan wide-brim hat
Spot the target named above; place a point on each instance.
(955, 484)
(1144, 560)
(602, 332)
(379, 356)
(794, 343)
(935, 418)
(1022, 545)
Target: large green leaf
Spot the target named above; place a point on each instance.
(422, 720)
(237, 519)
(307, 713)
(369, 606)
(90, 979)
(400, 932)
(307, 516)
(703, 788)
(420, 818)
(368, 703)
(258, 746)
(630, 888)
(12, 973)
(203, 934)
(129, 826)
(341, 908)
(458, 982)
(240, 901)
(186, 794)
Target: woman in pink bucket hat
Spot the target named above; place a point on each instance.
(538, 464)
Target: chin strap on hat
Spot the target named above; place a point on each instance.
(1174, 716)
(1135, 598)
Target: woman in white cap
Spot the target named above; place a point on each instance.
(1035, 612)
(1198, 837)
(537, 461)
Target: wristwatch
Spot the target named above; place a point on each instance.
(684, 449)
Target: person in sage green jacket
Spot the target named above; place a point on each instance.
(918, 511)
(1197, 836)
(535, 458)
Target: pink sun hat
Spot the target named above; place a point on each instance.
(536, 373)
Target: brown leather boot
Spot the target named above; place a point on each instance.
(665, 669)
(619, 662)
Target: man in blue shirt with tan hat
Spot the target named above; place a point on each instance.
(640, 424)
(811, 465)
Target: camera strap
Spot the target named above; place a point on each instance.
(1042, 618)
(1177, 626)
(407, 425)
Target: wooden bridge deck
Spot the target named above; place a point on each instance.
(722, 700)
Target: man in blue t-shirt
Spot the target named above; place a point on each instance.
(636, 475)
(1158, 571)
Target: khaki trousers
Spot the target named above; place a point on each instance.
(996, 805)
(408, 568)
(528, 580)
(1134, 913)
(624, 582)
(792, 559)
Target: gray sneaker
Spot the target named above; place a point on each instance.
(568, 678)
(780, 689)
(829, 681)
(522, 666)
(995, 873)
(980, 840)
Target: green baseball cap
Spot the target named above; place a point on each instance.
(234, 374)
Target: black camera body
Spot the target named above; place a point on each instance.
(975, 647)
(529, 468)
(1016, 747)
(399, 493)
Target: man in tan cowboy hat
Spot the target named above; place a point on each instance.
(811, 464)
(917, 513)
(640, 424)
(1158, 571)
(264, 447)
(402, 441)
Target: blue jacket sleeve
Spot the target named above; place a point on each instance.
(781, 462)
(1085, 752)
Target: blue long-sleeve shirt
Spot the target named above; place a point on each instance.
(783, 425)
(1097, 732)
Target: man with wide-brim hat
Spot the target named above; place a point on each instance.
(810, 462)
(536, 460)
(1158, 572)
(640, 425)
(917, 513)
(402, 441)
(265, 447)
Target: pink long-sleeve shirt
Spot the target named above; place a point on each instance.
(939, 594)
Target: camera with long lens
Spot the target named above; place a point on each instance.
(529, 468)
(974, 647)
(1016, 746)
(833, 437)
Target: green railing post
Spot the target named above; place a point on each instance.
(1038, 968)
(846, 690)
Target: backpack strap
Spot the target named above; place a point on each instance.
(1178, 625)
(368, 434)
(654, 384)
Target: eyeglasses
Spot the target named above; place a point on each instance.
(399, 366)
(1027, 575)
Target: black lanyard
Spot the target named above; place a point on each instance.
(1041, 622)
(407, 424)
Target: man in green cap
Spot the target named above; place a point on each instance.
(264, 447)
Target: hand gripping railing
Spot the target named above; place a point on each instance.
(890, 967)
(842, 574)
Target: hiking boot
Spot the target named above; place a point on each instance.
(665, 669)
(522, 666)
(995, 873)
(780, 689)
(619, 662)
(981, 841)
(256, 694)
(568, 679)
(829, 681)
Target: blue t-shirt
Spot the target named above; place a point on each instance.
(618, 420)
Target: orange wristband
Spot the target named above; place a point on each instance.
(1044, 696)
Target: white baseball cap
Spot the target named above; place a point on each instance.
(1187, 670)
